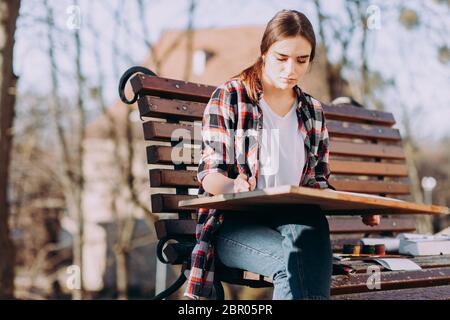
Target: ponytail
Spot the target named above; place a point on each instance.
(251, 77)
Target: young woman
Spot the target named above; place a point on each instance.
(293, 248)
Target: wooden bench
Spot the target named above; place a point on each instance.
(366, 155)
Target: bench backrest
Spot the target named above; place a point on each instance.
(366, 153)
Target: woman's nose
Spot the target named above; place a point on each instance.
(289, 66)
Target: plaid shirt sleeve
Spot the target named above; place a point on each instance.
(217, 144)
(217, 134)
(321, 171)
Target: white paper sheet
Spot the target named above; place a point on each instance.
(398, 264)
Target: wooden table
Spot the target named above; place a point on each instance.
(331, 201)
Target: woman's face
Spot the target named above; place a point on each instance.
(286, 62)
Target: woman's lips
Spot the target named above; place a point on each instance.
(287, 79)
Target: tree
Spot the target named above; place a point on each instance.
(71, 163)
(9, 11)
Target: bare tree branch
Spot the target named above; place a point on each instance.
(72, 167)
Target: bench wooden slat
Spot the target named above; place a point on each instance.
(169, 178)
(347, 112)
(391, 280)
(425, 262)
(338, 225)
(151, 106)
(371, 186)
(356, 130)
(393, 283)
(362, 168)
(174, 89)
(365, 150)
(368, 168)
(415, 278)
(161, 131)
(428, 293)
(191, 155)
(163, 155)
(169, 108)
(170, 88)
(161, 178)
(344, 225)
(175, 227)
(169, 202)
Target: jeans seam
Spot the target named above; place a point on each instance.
(287, 287)
(280, 260)
(300, 267)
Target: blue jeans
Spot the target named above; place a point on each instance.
(293, 248)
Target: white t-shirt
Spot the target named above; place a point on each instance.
(282, 154)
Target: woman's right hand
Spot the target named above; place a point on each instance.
(242, 183)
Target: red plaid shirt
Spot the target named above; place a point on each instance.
(231, 128)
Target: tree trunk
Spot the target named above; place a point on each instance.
(9, 11)
(336, 84)
(71, 166)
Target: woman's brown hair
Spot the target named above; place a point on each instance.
(285, 24)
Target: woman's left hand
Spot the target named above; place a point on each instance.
(372, 220)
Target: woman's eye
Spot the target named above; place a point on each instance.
(299, 61)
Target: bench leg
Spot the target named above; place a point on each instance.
(220, 295)
(174, 287)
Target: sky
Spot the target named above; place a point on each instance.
(407, 57)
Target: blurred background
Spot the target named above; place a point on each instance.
(75, 221)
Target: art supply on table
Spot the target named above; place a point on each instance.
(369, 249)
(339, 268)
(365, 252)
(391, 244)
(347, 249)
(380, 249)
(354, 249)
